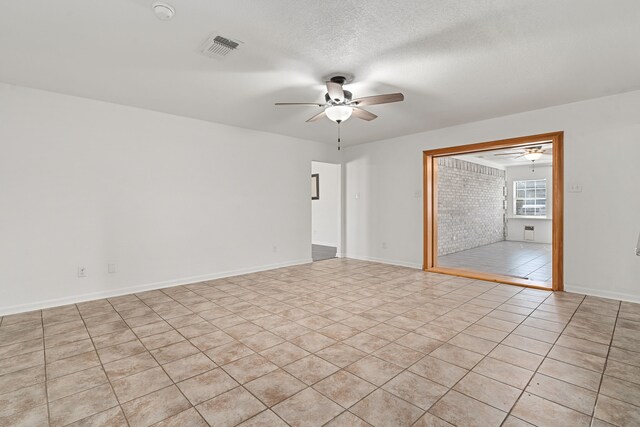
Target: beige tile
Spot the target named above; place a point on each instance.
(311, 369)
(11, 350)
(249, 368)
(23, 361)
(230, 408)
(22, 399)
(76, 382)
(569, 395)
(113, 339)
(543, 413)
(384, 409)
(623, 371)
(264, 419)
(38, 416)
(430, 420)
(419, 342)
(577, 358)
(458, 409)
(347, 419)
(583, 345)
(188, 367)
(489, 391)
(113, 417)
(415, 389)
(313, 341)
(438, 371)
(621, 390)
(572, 374)
(129, 366)
(540, 348)
(457, 355)
(472, 343)
(155, 407)
(616, 412)
(504, 372)
(514, 356)
(190, 418)
(274, 387)
(261, 341)
(72, 364)
(228, 352)
(23, 378)
(341, 354)
(81, 405)
(338, 331)
(374, 370)
(120, 351)
(211, 340)
(307, 409)
(398, 355)
(134, 386)
(283, 354)
(344, 388)
(206, 386)
(161, 340)
(174, 352)
(366, 342)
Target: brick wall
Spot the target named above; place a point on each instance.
(470, 205)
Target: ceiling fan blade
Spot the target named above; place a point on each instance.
(317, 117)
(363, 114)
(310, 104)
(335, 91)
(508, 154)
(379, 99)
(521, 155)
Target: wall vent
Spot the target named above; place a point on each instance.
(217, 46)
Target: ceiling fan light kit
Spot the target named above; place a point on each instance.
(339, 104)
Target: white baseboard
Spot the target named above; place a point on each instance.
(4, 311)
(622, 296)
(385, 261)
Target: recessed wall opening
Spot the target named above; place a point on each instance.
(493, 211)
(325, 210)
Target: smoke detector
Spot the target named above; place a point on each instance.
(217, 46)
(163, 11)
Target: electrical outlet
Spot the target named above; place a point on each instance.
(111, 268)
(575, 188)
(82, 272)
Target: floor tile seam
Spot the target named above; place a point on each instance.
(540, 364)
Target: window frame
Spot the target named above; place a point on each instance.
(525, 198)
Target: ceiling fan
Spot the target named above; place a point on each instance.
(529, 153)
(339, 104)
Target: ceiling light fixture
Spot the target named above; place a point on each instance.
(338, 113)
(533, 156)
(163, 11)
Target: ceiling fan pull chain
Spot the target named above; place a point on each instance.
(338, 136)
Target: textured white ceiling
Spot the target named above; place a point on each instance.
(456, 61)
(490, 158)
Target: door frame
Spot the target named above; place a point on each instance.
(431, 212)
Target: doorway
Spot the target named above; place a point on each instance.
(494, 211)
(325, 210)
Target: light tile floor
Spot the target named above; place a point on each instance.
(520, 259)
(337, 343)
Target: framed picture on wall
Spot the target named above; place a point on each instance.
(315, 186)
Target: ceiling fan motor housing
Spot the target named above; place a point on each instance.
(347, 97)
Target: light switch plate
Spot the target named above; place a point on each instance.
(575, 188)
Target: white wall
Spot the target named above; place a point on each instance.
(602, 152)
(325, 212)
(167, 199)
(543, 230)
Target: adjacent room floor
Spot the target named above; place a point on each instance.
(320, 252)
(521, 259)
(337, 343)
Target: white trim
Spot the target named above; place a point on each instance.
(385, 261)
(4, 311)
(622, 296)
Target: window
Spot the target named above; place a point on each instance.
(530, 197)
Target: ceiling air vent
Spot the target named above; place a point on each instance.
(219, 47)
